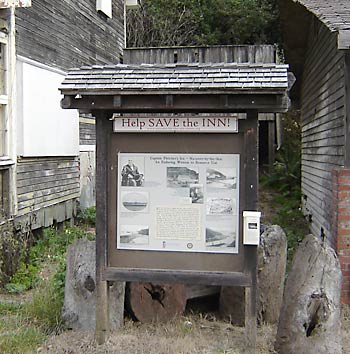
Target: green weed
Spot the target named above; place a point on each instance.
(283, 183)
(24, 340)
(51, 248)
(87, 216)
(44, 309)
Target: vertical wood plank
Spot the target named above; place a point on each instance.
(250, 319)
(271, 142)
(251, 163)
(103, 127)
(250, 252)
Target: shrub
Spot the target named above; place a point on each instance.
(14, 246)
(87, 216)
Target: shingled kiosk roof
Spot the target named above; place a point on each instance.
(174, 80)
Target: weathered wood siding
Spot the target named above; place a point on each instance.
(214, 54)
(87, 141)
(62, 34)
(322, 125)
(87, 131)
(70, 33)
(44, 183)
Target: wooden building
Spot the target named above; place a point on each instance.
(317, 43)
(40, 149)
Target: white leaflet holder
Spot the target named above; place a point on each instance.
(251, 227)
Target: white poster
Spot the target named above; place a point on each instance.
(178, 202)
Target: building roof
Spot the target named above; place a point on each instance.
(335, 14)
(171, 78)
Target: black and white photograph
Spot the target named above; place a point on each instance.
(220, 233)
(220, 206)
(181, 177)
(135, 201)
(134, 235)
(132, 171)
(170, 197)
(196, 193)
(225, 178)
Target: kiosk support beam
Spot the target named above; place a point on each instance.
(102, 288)
(251, 257)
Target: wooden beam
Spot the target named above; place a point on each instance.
(117, 101)
(251, 163)
(68, 102)
(177, 276)
(180, 103)
(271, 125)
(103, 127)
(169, 100)
(251, 252)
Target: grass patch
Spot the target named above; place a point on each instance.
(51, 248)
(24, 326)
(28, 319)
(26, 340)
(44, 308)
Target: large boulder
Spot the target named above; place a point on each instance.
(79, 310)
(310, 316)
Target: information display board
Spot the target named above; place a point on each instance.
(178, 202)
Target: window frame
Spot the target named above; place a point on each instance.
(4, 100)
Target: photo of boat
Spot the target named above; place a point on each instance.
(135, 201)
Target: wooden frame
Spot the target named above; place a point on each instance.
(105, 91)
(246, 276)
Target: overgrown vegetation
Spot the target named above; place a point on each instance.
(87, 217)
(24, 325)
(14, 245)
(282, 184)
(202, 22)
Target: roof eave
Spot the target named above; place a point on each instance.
(230, 91)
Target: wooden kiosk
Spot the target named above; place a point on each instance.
(189, 133)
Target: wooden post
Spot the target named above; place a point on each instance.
(271, 142)
(102, 316)
(250, 300)
(250, 252)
